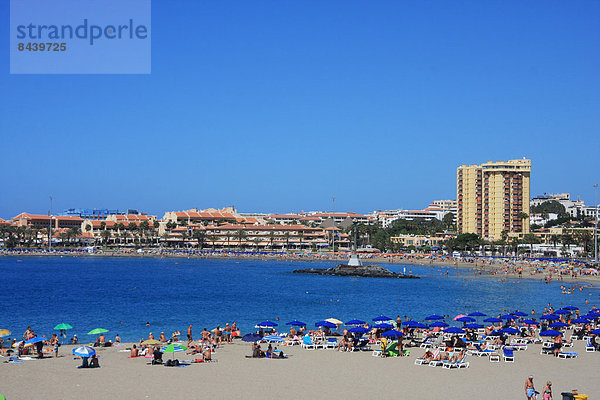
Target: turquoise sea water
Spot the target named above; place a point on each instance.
(122, 294)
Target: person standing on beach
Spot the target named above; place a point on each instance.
(530, 389)
(189, 335)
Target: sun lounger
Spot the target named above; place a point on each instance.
(479, 352)
(567, 354)
(494, 357)
(331, 343)
(547, 349)
(462, 363)
(307, 343)
(436, 363)
(508, 354)
(589, 347)
(421, 361)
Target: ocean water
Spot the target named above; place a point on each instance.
(122, 294)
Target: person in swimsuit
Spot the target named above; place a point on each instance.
(189, 335)
(227, 333)
(548, 391)
(530, 389)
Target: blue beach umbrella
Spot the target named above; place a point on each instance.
(434, 317)
(296, 323)
(35, 340)
(558, 325)
(358, 329)
(439, 324)
(550, 317)
(251, 337)
(509, 331)
(495, 333)
(550, 332)
(571, 308)
(84, 351)
(325, 324)
(564, 312)
(477, 314)
(492, 320)
(519, 314)
(580, 320)
(473, 326)
(415, 324)
(382, 318)
(454, 330)
(272, 338)
(266, 324)
(509, 316)
(466, 319)
(392, 334)
(530, 322)
(355, 322)
(595, 332)
(384, 325)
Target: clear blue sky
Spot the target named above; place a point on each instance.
(279, 105)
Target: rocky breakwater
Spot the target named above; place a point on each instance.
(366, 271)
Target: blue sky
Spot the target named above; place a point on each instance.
(279, 105)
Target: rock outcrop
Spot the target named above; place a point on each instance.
(367, 271)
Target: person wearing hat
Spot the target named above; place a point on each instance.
(530, 389)
(74, 340)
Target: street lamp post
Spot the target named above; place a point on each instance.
(50, 227)
(596, 226)
(333, 225)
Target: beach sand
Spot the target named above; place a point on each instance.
(319, 374)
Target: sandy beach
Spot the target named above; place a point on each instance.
(305, 374)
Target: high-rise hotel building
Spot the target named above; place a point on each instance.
(491, 198)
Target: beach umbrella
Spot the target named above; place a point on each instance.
(550, 317)
(454, 330)
(382, 318)
(84, 351)
(477, 314)
(97, 331)
(174, 348)
(519, 313)
(355, 322)
(434, 317)
(564, 312)
(530, 322)
(358, 329)
(465, 319)
(473, 326)
(415, 324)
(509, 331)
(580, 320)
(325, 324)
(492, 320)
(35, 339)
(251, 337)
(458, 316)
(439, 324)
(558, 324)
(266, 324)
(495, 333)
(63, 326)
(508, 316)
(392, 334)
(550, 332)
(595, 332)
(296, 323)
(4, 332)
(334, 321)
(571, 308)
(273, 338)
(384, 325)
(151, 342)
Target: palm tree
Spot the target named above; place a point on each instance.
(271, 238)
(200, 237)
(228, 235)
(105, 235)
(287, 240)
(300, 237)
(240, 235)
(256, 241)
